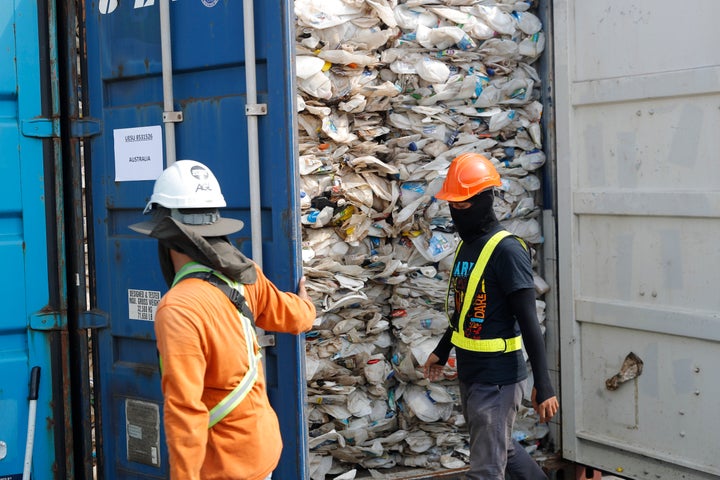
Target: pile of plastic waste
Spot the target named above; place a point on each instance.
(389, 92)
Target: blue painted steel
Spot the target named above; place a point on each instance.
(30, 287)
(125, 91)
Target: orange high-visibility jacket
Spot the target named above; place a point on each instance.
(201, 342)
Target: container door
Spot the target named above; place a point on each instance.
(33, 323)
(638, 116)
(125, 93)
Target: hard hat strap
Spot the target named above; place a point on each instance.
(196, 216)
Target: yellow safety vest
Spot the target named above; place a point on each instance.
(491, 345)
(234, 398)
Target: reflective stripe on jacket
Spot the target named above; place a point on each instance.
(489, 345)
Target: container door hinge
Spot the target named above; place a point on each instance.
(85, 127)
(47, 319)
(40, 127)
(50, 128)
(93, 319)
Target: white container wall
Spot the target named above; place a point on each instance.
(637, 99)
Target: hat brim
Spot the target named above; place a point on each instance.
(454, 197)
(221, 228)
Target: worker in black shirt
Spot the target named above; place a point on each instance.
(494, 313)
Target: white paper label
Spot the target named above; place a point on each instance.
(142, 304)
(138, 153)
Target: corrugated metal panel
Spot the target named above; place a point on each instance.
(638, 219)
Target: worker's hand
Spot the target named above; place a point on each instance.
(547, 409)
(432, 370)
(302, 292)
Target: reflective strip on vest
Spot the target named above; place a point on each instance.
(238, 394)
(234, 398)
(489, 345)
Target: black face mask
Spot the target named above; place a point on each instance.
(476, 220)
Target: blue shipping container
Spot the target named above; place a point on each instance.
(208, 114)
(34, 324)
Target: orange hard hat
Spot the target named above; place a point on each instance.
(468, 175)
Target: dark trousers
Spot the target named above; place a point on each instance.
(490, 412)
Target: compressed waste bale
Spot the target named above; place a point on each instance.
(389, 92)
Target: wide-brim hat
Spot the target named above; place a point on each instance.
(205, 244)
(203, 222)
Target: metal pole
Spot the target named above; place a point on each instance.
(169, 116)
(252, 130)
(32, 409)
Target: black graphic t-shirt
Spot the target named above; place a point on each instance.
(509, 269)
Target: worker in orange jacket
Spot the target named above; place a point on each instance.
(218, 420)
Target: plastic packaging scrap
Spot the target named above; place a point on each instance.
(389, 92)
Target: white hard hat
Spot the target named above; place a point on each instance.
(186, 184)
(188, 192)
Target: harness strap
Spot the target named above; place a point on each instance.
(234, 294)
(490, 345)
(238, 394)
(234, 291)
